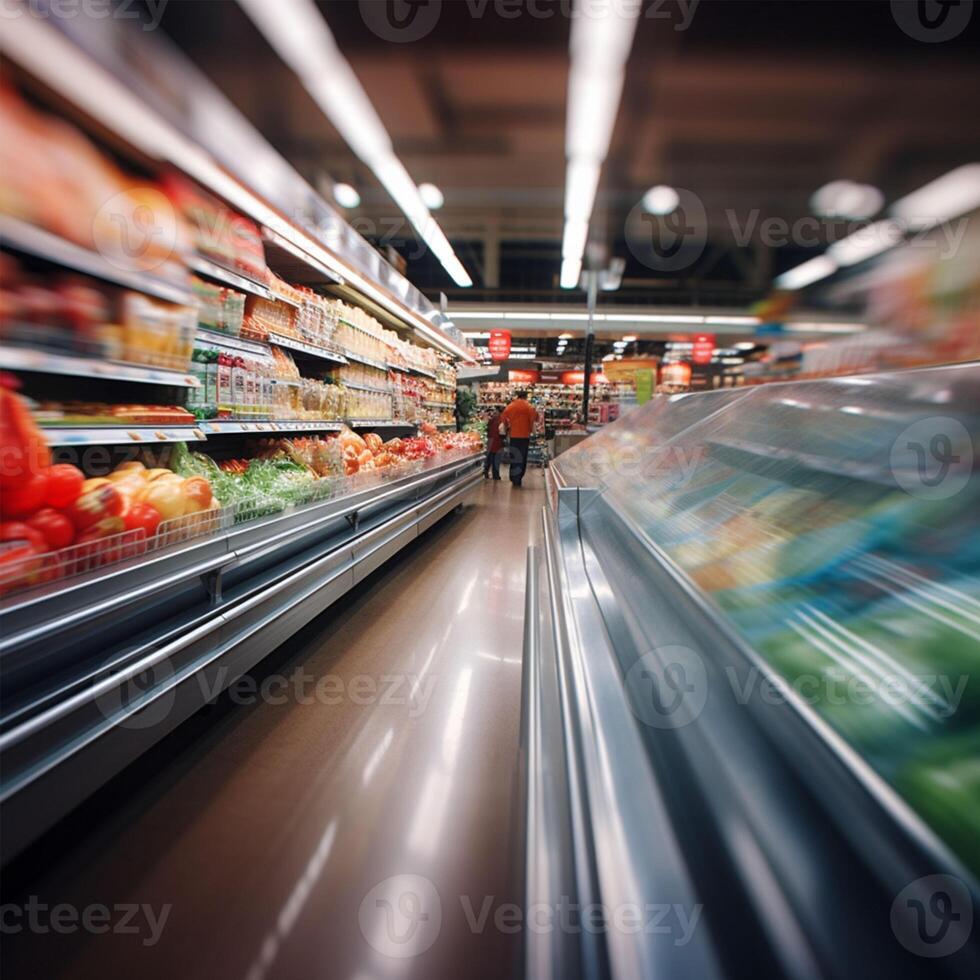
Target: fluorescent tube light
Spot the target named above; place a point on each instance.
(298, 32)
(946, 197)
(807, 273)
(871, 240)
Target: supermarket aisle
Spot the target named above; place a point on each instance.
(385, 745)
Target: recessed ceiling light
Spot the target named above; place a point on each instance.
(432, 197)
(346, 196)
(847, 199)
(661, 200)
(629, 338)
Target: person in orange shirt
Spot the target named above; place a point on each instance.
(519, 417)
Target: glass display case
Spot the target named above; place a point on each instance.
(761, 611)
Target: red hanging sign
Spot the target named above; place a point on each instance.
(499, 344)
(523, 376)
(703, 348)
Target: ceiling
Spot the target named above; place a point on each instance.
(750, 106)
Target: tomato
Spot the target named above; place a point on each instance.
(64, 485)
(143, 516)
(17, 531)
(24, 499)
(94, 506)
(92, 544)
(58, 531)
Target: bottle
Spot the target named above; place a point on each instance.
(224, 391)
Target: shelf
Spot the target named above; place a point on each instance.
(227, 277)
(445, 425)
(116, 435)
(448, 406)
(217, 427)
(361, 359)
(294, 264)
(445, 384)
(310, 350)
(43, 362)
(380, 424)
(415, 370)
(241, 345)
(358, 387)
(23, 237)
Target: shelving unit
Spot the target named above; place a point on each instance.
(46, 362)
(111, 435)
(20, 236)
(210, 269)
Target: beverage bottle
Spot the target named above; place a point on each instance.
(224, 391)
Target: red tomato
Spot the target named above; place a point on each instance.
(23, 500)
(58, 531)
(95, 506)
(64, 485)
(144, 516)
(17, 531)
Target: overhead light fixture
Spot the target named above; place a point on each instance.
(847, 199)
(598, 48)
(431, 196)
(866, 242)
(734, 320)
(650, 318)
(564, 336)
(949, 196)
(346, 196)
(806, 274)
(629, 338)
(300, 35)
(661, 200)
(746, 345)
(829, 327)
(469, 335)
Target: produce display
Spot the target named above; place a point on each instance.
(858, 585)
(56, 521)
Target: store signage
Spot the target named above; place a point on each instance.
(644, 386)
(578, 378)
(626, 369)
(678, 373)
(703, 348)
(550, 377)
(522, 376)
(499, 344)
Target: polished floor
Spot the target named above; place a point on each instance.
(353, 815)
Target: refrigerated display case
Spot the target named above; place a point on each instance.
(753, 665)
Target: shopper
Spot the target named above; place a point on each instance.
(519, 417)
(495, 442)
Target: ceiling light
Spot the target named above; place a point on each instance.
(661, 200)
(598, 48)
(571, 269)
(847, 199)
(650, 318)
(865, 242)
(298, 32)
(947, 197)
(629, 338)
(831, 327)
(746, 345)
(346, 196)
(738, 320)
(564, 336)
(431, 196)
(807, 273)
